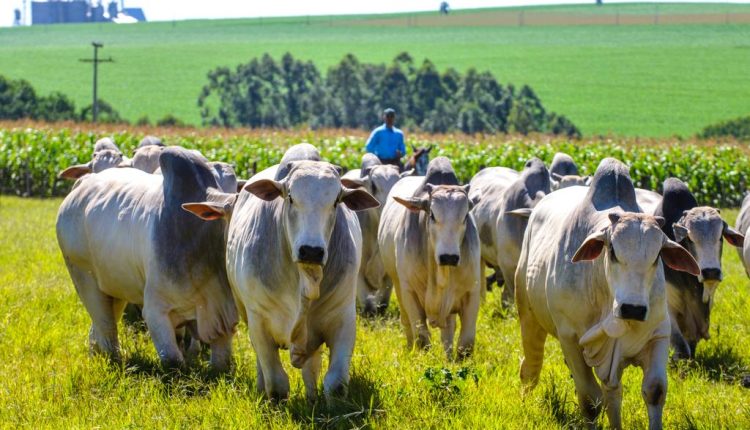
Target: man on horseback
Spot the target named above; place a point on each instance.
(387, 142)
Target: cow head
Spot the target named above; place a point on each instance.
(102, 160)
(632, 245)
(564, 181)
(145, 158)
(700, 231)
(447, 209)
(377, 180)
(311, 191)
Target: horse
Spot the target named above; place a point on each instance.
(419, 159)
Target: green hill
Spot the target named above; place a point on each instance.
(664, 70)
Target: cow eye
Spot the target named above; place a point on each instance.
(374, 189)
(612, 254)
(432, 216)
(291, 200)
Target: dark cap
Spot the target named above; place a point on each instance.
(389, 111)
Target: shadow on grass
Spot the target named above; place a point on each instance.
(358, 409)
(196, 379)
(562, 408)
(719, 362)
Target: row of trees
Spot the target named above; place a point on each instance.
(19, 100)
(267, 93)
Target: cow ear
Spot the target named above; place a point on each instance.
(466, 188)
(591, 247)
(732, 236)
(358, 199)
(556, 176)
(128, 162)
(430, 148)
(266, 189)
(521, 212)
(680, 232)
(75, 172)
(241, 184)
(660, 220)
(208, 211)
(587, 180)
(353, 182)
(413, 204)
(677, 258)
(406, 173)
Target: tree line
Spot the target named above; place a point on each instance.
(292, 92)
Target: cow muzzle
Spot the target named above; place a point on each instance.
(448, 259)
(311, 255)
(628, 311)
(711, 274)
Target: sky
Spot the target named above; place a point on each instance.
(167, 10)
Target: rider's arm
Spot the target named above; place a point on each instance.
(401, 146)
(372, 142)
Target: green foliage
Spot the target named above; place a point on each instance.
(263, 93)
(18, 100)
(443, 381)
(738, 128)
(30, 159)
(106, 114)
(169, 121)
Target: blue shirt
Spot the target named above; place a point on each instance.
(384, 142)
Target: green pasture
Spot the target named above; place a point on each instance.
(47, 379)
(627, 80)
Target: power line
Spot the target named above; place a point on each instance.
(96, 60)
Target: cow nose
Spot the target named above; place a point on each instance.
(448, 259)
(311, 254)
(633, 312)
(711, 274)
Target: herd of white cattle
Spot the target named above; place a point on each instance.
(615, 273)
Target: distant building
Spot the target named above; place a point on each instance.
(79, 11)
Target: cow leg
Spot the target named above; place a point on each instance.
(533, 337)
(509, 291)
(417, 319)
(681, 347)
(654, 386)
(336, 381)
(613, 401)
(221, 352)
(260, 383)
(365, 296)
(311, 373)
(101, 308)
(162, 334)
(588, 390)
(271, 375)
(404, 316)
(383, 296)
(447, 334)
(468, 333)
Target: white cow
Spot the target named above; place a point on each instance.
(490, 182)
(373, 286)
(743, 225)
(501, 217)
(564, 172)
(106, 155)
(591, 275)
(430, 249)
(293, 253)
(125, 238)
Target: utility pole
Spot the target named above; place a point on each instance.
(96, 60)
